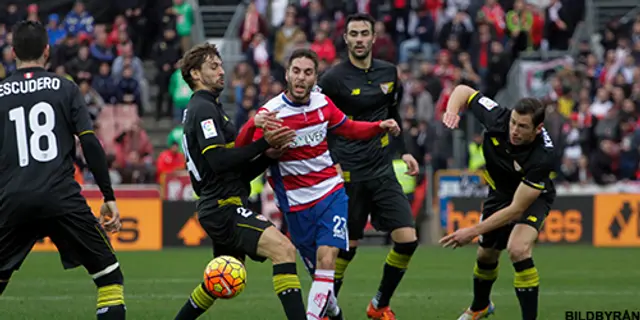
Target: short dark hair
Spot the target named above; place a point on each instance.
(30, 39)
(360, 17)
(305, 53)
(194, 58)
(533, 107)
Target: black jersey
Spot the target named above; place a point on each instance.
(508, 165)
(364, 95)
(207, 126)
(41, 115)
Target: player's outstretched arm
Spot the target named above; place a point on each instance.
(523, 198)
(459, 98)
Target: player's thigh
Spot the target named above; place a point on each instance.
(359, 208)
(15, 244)
(332, 220)
(81, 240)
(525, 232)
(496, 239)
(302, 229)
(391, 206)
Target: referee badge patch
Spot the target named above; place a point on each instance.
(487, 103)
(209, 129)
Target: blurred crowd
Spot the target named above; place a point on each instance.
(105, 60)
(594, 109)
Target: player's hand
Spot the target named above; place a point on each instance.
(275, 153)
(412, 165)
(279, 137)
(450, 120)
(267, 120)
(459, 238)
(110, 217)
(390, 126)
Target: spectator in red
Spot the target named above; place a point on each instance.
(120, 23)
(134, 153)
(383, 47)
(324, 47)
(252, 24)
(32, 12)
(169, 161)
(494, 15)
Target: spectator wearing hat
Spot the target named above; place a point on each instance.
(32, 13)
(55, 32)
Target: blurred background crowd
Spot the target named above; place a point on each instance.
(126, 67)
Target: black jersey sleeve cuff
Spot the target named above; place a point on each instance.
(537, 186)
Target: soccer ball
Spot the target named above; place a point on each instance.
(225, 277)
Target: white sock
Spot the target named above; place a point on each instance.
(321, 289)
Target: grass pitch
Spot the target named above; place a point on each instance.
(437, 285)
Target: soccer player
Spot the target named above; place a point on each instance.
(368, 89)
(41, 115)
(309, 190)
(221, 175)
(520, 157)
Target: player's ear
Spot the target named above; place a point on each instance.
(539, 128)
(344, 36)
(195, 74)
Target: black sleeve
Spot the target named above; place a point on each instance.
(394, 112)
(256, 168)
(537, 175)
(220, 156)
(487, 111)
(97, 162)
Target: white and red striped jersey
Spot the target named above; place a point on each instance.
(305, 174)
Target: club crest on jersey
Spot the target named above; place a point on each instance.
(386, 87)
(28, 75)
(517, 166)
(209, 129)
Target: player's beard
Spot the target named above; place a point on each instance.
(364, 54)
(214, 84)
(299, 97)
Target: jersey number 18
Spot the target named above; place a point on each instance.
(40, 130)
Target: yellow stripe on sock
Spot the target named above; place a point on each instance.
(341, 267)
(527, 278)
(111, 295)
(283, 282)
(485, 274)
(400, 261)
(201, 298)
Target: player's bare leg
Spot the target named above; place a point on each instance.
(485, 274)
(321, 296)
(405, 244)
(526, 280)
(275, 246)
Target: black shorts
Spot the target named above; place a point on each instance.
(383, 199)
(234, 230)
(533, 216)
(79, 237)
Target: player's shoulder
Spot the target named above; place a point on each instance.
(544, 152)
(383, 65)
(274, 104)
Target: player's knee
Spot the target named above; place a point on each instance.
(353, 243)
(519, 250)
(326, 259)
(486, 255)
(348, 255)
(404, 235)
(285, 253)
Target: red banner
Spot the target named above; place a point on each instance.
(176, 186)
